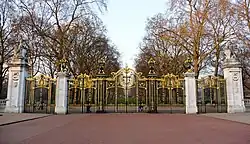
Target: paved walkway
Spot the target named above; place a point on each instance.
(9, 118)
(238, 117)
(126, 129)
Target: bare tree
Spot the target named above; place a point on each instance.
(169, 57)
(7, 42)
(90, 45)
(220, 27)
(190, 30)
(53, 19)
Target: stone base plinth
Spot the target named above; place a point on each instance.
(9, 109)
(191, 109)
(236, 109)
(61, 110)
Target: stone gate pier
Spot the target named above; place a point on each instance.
(234, 84)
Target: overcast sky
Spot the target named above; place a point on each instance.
(126, 20)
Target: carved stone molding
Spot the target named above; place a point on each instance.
(236, 76)
(189, 74)
(15, 76)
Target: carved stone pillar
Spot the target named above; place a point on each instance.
(190, 91)
(16, 84)
(234, 85)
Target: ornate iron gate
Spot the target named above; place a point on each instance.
(172, 94)
(80, 94)
(126, 91)
(211, 95)
(40, 94)
(122, 91)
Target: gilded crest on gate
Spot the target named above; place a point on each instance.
(88, 83)
(82, 81)
(41, 81)
(171, 81)
(126, 77)
(209, 82)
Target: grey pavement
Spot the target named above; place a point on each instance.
(10, 118)
(236, 117)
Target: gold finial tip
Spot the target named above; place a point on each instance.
(151, 60)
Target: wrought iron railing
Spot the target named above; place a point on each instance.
(211, 95)
(2, 104)
(247, 102)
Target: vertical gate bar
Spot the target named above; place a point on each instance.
(69, 96)
(151, 93)
(146, 92)
(178, 104)
(91, 98)
(74, 96)
(82, 93)
(157, 94)
(83, 98)
(170, 97)
(220, 96)
(126, 89)
(106, 96)
(137, 94)
(154, 94)
(203, 98)
(49, 96)
(32, 99)
(163, 93)
(41, 99)
(116, 96)
(99, 95)
(96, 94)
(103, 94)
(216, 95)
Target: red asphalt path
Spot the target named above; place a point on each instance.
(126, 129)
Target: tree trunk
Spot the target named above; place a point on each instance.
(196, 65)
(216, 68)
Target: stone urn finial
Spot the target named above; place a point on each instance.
(228, 53)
